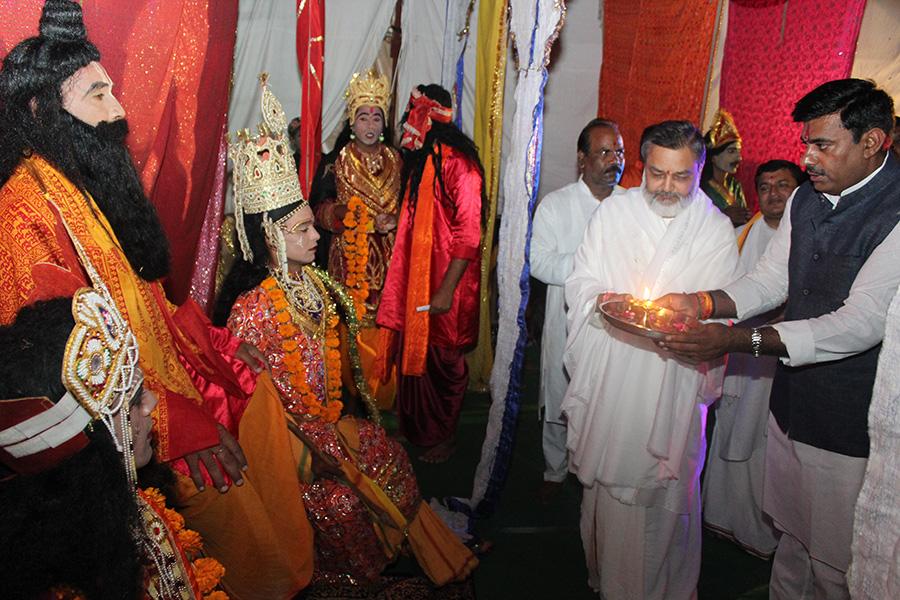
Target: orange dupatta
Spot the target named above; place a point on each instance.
(418, 288)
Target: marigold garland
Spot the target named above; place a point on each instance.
(357, 227)
(206, 571)
(293, 353)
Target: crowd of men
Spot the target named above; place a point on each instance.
(808, 281)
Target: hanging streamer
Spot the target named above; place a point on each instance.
(535, 25)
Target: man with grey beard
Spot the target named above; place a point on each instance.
(635, 414)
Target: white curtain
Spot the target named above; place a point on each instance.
(353, 34)
(535, 24)
(570, 99)
(266, 37)
(421, 48)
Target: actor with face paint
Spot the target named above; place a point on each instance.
(559, 223)
(834, 261)
(361, 216)
(431, 290)
(66, 174)
(723, 157)
(292, 311)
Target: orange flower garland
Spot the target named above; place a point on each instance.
(293, 359)
(357, 227)
(206, 572)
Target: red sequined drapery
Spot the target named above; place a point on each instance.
(776, 52)
(655, 59)
(310, 57)
(171, 63)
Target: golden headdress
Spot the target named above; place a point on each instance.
(723, 130)
(264, 175)
(372, 89)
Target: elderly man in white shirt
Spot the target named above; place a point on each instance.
(559, 223)
(834, 260)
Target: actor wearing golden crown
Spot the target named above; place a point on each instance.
(358, 486)
(64, 162)
(360, 193)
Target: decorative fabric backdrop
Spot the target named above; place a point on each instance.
(354, 31)
(310, 57)
(535, 25)
(488, 136)
(655, 59)
(171, 63)
(774, 54)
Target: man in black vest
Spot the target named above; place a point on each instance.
(834, 260)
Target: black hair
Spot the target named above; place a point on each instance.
(447, 134)
(674, 135)
(94, 159)
(776, 165)
(72, 524)
(862, 106)
(246, 275)
(584, 138)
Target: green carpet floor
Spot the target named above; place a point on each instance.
(537, 549)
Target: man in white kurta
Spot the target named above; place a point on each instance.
(636, 415)
(733, 481)
(559, 223)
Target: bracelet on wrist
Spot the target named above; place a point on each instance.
(705, 306)
(755, 341)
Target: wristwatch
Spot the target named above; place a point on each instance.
(755, 341)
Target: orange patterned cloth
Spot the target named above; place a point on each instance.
(655, 58)
(181, 353)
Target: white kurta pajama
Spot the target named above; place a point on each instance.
(635, 414)
(733, 482)
(559, 224)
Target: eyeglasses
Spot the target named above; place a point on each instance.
(605, 152)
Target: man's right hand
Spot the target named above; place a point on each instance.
(684, 304)
(226, 453)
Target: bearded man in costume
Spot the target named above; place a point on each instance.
(74, 428)
(723, 157)
(68, 181)
(430, 295)
(636, 415)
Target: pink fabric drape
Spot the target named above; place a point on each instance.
(310, 57)
(171, 63)
(775, 52)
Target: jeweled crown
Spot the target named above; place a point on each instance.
(723, 131)
(371, 89)
(264, 175)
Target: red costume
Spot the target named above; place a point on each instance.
(428, 403)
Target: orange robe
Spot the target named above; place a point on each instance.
(187, 362)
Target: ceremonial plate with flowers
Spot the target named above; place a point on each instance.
(644, 318)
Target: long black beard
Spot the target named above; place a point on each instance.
(105, 170)
(108, 174)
